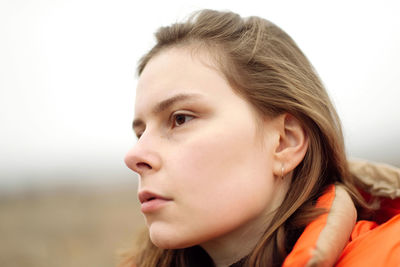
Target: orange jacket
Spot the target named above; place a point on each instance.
(335, 238)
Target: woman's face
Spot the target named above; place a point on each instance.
(205, 165)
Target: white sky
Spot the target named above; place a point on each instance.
(67, 77)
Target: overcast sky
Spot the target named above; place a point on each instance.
(67, 77)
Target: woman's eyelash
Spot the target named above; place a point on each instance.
(180, 119)
(177, 120)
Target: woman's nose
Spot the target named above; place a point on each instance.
(142, 158)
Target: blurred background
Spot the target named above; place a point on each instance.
(67, 87)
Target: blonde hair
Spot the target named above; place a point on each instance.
(265, 66)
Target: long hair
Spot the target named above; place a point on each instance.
(266, 67)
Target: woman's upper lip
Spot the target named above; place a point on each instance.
(146, 195)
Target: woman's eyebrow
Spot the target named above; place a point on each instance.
(165, 104)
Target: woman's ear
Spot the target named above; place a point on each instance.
(291, 146)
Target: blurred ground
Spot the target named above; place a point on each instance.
(67, 227)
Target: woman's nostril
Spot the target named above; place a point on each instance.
(142, 165)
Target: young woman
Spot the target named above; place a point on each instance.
(240, 152)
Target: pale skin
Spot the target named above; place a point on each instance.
(204, 148)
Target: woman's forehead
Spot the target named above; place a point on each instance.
(174, 72)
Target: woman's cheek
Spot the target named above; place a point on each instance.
(211, 158)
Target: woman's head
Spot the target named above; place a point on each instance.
(236, 130)
(202, 147)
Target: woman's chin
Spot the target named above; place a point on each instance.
(169, 241)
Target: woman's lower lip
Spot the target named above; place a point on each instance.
(153, 205)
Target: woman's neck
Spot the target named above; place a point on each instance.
(236, 245)
(233, 246)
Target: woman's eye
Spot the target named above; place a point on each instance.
(180, 119)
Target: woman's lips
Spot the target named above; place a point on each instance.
(151, 201)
